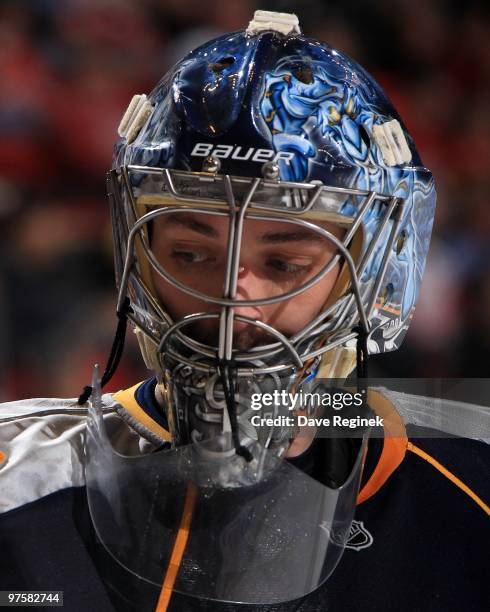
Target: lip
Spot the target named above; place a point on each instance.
(250, 312)
(245, 335)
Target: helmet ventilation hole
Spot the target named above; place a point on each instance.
(223, 63)
(304, 74)
(401, 241)
(386, 294)
(364, 136)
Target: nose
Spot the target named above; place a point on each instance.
(248, 288)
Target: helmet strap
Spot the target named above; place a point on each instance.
(362, 359)
(225, 370)
(115, 354)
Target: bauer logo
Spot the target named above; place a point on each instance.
(239, 153)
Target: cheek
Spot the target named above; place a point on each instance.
(292, 316)
(177, 303)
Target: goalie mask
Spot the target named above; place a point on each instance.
(254, 142)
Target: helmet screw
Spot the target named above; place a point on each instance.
(270, 171)
(211, 164)
(186, 371)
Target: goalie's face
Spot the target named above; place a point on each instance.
(275, 258)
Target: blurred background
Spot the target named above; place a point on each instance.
(68, 69)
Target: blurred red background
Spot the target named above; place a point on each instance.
(67, 72)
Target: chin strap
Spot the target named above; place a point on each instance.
(225, 371)
(362, 360)
(116, 352)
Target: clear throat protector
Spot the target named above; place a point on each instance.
(213, 525)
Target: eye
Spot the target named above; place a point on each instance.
(189, 257)
(286, 267)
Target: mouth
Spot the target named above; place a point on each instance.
(245, 335)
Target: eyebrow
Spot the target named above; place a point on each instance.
(269, 237)
(301, 236)
(192, 224)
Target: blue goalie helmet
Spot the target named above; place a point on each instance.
(268, 126)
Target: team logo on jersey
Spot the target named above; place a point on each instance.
(359, 537)
(239, 153)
